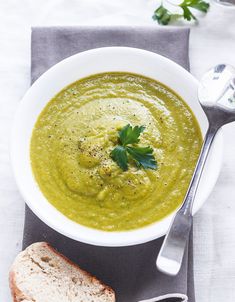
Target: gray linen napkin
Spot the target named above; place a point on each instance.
(130, 271)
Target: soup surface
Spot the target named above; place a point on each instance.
(75, 133)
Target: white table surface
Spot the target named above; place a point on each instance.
(212, 41)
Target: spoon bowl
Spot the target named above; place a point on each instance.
(217, 86)
(216, 94)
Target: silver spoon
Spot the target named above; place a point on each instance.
(216, 94)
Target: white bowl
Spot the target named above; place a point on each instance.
(79, 66)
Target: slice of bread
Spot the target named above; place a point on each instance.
(41, 274)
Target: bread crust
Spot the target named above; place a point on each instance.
(13, 288)
(19, 296)
(16, 293)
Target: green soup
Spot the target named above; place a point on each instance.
(75, 133)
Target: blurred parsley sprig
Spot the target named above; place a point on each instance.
(164, 16)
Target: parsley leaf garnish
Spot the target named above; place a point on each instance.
(142, 156)
(197, 4)
(119, 155)
(129, 135)
(164, 16)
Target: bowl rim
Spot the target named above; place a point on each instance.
(86, 234)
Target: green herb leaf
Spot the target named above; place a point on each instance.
(119, 155)
(187, 13)
(164, 16)
(143, 156)
(197, 4)
(129, 135)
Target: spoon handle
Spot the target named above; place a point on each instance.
(172, 251)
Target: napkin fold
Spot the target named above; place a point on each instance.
(130, 271)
